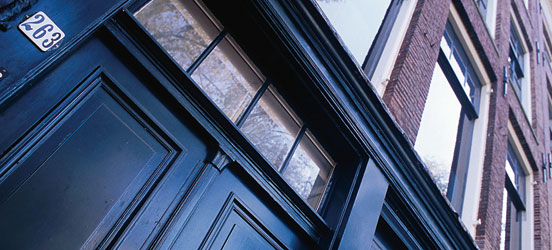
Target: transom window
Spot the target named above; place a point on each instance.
(446, 128)
(213, 60)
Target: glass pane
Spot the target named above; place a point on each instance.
(308, 171)
(356, 21)
(181, 27)
(436, 139)
(271, 128)
(227, 79)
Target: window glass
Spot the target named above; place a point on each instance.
(308, 171)
(444, 136)
(271, 129)
(458, 60)
(356, 21)
(228, 79)
(180, 27)
(512, 202)
(516, 61)
(218, 66)
(515, 173)
(436, 138)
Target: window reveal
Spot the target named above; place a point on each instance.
(218, 66)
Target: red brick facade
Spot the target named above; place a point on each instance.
(409, 85)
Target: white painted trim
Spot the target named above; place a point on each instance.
(386, 63)
(474, 175)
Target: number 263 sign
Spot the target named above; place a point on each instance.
(40, 29)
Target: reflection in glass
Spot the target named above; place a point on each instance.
(356, 21)
(308, 171)
(227, 79)
(436, 138)
(271, 128)
(181, 27)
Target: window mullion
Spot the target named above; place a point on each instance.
(254, 101)
(292, 150)
(206, 52)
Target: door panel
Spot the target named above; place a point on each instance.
(234, 215)
(81, 171)
(109, 158)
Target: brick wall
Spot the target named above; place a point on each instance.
(409, 85)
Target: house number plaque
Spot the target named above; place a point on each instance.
(40, 29)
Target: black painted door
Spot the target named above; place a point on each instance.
(97, 154)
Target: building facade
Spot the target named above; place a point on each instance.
(260, 124)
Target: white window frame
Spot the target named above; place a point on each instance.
(525, 95)
(385, 65)
(474, 175)
(490, 16)
(527, 216)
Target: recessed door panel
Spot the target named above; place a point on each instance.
(233, 215)
(82, 171)
(109, 160)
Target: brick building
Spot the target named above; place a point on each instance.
(265, 124)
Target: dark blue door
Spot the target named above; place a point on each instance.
(99, 153)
